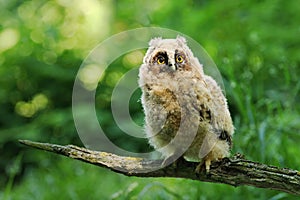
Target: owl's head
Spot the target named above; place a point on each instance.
(169, 54)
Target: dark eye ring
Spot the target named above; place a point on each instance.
(179, 59)
(161, 60)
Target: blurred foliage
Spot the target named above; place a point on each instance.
(255, 44)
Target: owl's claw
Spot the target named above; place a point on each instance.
(207, 165)
(203, 165)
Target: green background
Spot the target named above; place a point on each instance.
(255, 45)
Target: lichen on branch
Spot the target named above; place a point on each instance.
(234, 171)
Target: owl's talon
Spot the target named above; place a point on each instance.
(203, 166)
(238, 156)
(199, 168)
(207, 165)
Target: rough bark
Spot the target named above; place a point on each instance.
(234, 171)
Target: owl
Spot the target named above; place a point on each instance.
(186, 113)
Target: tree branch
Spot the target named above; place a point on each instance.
(234, 171)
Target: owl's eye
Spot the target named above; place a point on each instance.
(179, 59)
(161, 60)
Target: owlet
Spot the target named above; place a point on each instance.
(186, 113)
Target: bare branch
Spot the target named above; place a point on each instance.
(234, 171)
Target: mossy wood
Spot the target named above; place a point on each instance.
(234, 171)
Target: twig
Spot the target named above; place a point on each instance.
(234, 171)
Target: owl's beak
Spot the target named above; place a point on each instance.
(173, 66)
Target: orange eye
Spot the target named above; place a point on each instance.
(161, 60)
(179, 59)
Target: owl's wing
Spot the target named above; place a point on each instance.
(205, 113)
(212, 107)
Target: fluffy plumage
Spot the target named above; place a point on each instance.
(186, 112)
